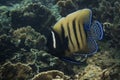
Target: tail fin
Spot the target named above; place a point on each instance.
(92, 46)
(96, 30)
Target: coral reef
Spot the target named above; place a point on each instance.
(103, 60)
(66, 6)
(48, 3)
(43, 61)
(18, 71)
(4, 20)
(35, 15)
(50, 75)
(23, 44)
(112, 35)
(108, 62)
(108, 11)
(6, 48)
(91, 72)
(8, 2)
(23, 38)
(27, 37)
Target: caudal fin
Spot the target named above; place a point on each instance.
(92, 46)
(96, 30)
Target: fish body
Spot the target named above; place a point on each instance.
(75, 35)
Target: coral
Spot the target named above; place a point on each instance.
(44, 61)
(3, 9)
(108, 11)
(112, 35)
(39, 60)
(18, 71)
(103, 59)
(16, 40)
(8, 2)
(33, 14)
(109, 62)
(66, 6)
(111, 73)
(103, 10)
(4, 20)
(23, 56)
(48, 3)
(115, 72)
(6, 48)
(91, 72)
(50, 75)
(27, 37)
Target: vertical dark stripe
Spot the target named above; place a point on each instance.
(85, 30)
(63, 32)
(64, 39)
(70, 35)
(74, 29)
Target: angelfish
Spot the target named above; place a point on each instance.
(75, 35)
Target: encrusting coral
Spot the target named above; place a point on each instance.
(112, 35)
(91, 72)
(18, 71)
(8, 2)
(66, 6)
(108, 11)
(103, 60)
(34, 14)
(6, 48)
(50, 75)
(43, 61)
(108, 62)
(27, 37)
(22, 38)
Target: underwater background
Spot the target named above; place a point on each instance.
(22, 44)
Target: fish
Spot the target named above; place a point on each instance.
(74, 36)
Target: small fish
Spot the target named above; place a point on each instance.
(75, 35)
